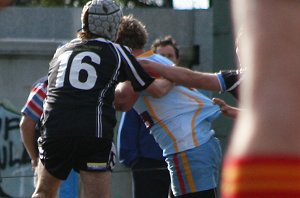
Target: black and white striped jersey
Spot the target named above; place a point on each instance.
(82, 78)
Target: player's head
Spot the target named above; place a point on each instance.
(100, 18)
(166, 47)
(132, 33)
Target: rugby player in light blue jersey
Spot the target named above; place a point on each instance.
(180, 122)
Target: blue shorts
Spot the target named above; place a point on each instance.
(195, 169)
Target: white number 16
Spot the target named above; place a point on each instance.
(76, 66)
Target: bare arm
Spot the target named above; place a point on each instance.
(184, 76)
(28, 135)
(226, 109)
(125, 96)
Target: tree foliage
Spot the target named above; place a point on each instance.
(80, 3)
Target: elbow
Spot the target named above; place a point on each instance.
(125, 97)
(124, 104)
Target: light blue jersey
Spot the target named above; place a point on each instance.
(149, 55)
(180, 120)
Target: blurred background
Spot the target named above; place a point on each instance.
(31, 30)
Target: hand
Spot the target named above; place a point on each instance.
(226, 109)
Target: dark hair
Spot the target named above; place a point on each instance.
(167, 40)
(132, 33)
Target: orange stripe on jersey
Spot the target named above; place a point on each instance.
(161, 123)
(146, 54)
(188, 172)
(197, 112)
(261, 177)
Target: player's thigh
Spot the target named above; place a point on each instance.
(47, 185)
(96, 184)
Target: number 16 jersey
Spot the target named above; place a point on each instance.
(81, 83)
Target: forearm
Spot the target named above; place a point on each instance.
(199, 80)
(184, 76)
(179, 75)
(190, 78)
(28, 136)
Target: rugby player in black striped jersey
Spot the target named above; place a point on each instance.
(78, 120)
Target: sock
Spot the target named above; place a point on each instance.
(261, 176)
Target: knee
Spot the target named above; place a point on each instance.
(44, 193)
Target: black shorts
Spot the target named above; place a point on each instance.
(60, 155)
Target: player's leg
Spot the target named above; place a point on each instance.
(54, 165)
(264, 147)
(95, 161)
(96, 184)
(47, 185)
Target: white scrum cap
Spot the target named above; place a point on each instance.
(102, 18)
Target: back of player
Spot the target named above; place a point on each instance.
(79, 114)
(84, 84)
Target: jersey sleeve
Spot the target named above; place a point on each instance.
(133, 71)
(229, 81)
(34, 104)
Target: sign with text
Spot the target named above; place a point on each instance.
(16, 176)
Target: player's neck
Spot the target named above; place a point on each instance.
(137, 52)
